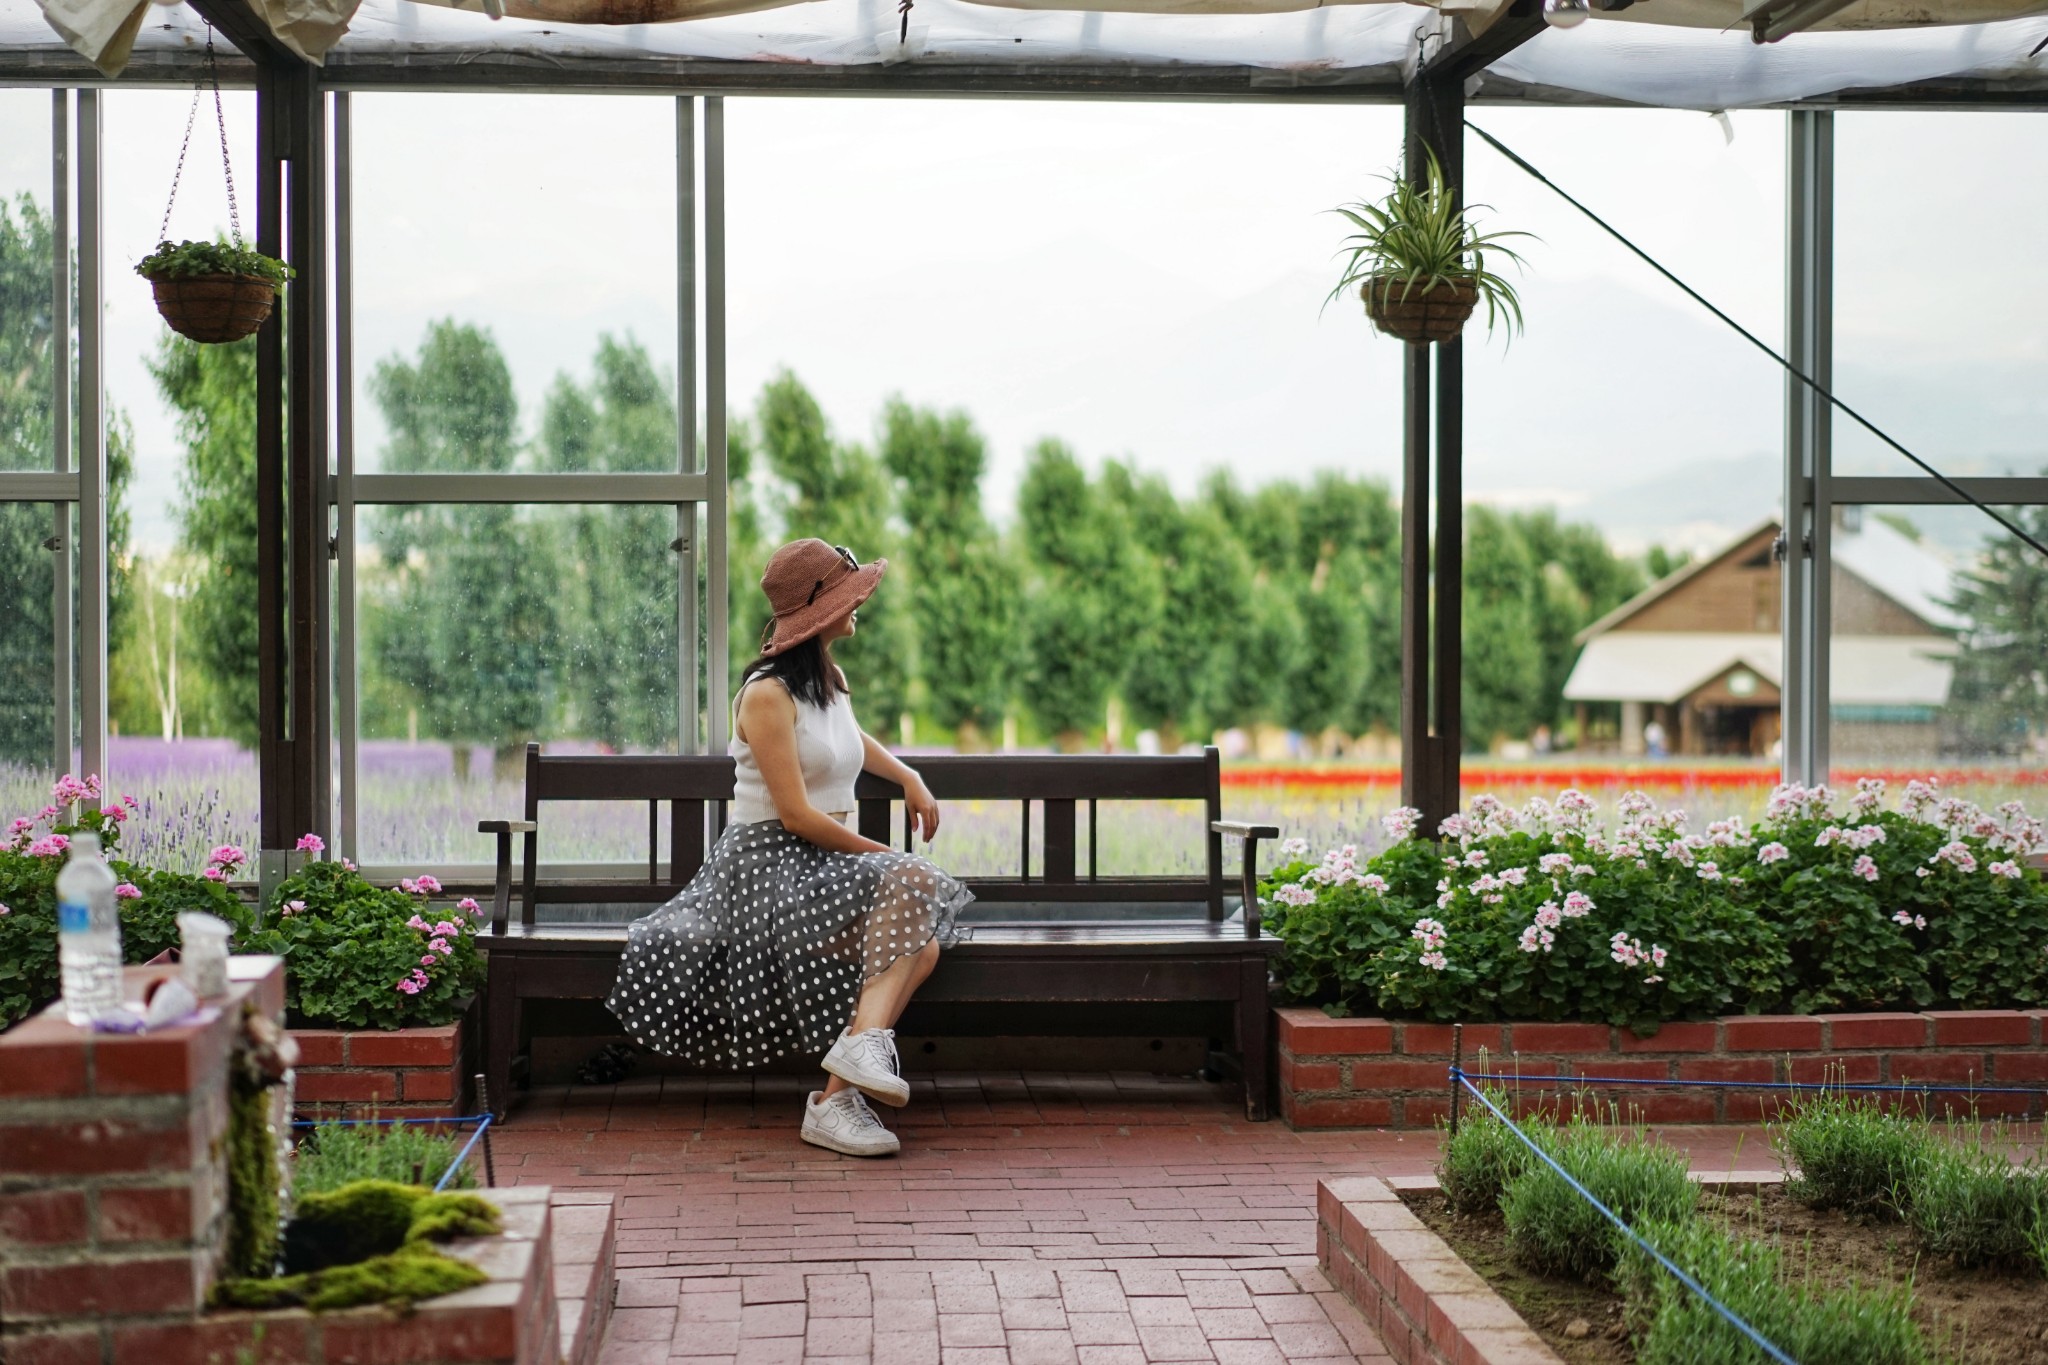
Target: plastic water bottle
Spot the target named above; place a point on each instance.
(88, 933)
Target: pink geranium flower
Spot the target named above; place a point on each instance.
(438, 945)
(128, 891)
(312, 843)
(49, 846)
(429, 960)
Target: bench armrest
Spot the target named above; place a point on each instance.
(1248, 836)
(501, 892)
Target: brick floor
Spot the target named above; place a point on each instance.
(1035, 1219)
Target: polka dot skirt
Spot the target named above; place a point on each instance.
(763, 955)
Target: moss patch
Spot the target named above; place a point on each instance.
(402, 1278)
(252, 1183)
(371, 1241)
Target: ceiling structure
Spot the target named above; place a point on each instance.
(1672, 53)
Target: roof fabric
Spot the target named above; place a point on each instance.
(1622, 57)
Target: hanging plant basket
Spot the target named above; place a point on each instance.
(211, 291)
(1416, 313)
(214, 308)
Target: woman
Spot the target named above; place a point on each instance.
(799, 936)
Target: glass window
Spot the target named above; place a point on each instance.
(567, 267)
(1944, 356)
(484, 627)
(28, 665)
(1935, 661)
(26, 261)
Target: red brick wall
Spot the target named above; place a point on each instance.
(1345, 1073)
(113, 1177)
(402, 1073)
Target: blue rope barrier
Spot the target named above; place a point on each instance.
(462, 1155)
(1761, 1342)
(1902, 1087)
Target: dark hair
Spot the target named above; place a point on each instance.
(805, 669)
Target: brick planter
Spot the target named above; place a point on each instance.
(113, 1218)
(1348, 1073)
(1429, 1306)
(395, 1073)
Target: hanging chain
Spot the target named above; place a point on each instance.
(163, 234)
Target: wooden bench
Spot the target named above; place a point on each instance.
(1054, 933)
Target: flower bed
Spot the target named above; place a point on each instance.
(1546, 914)
(1823, 1265)
(151, 900)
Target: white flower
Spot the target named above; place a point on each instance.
(1866, 867)
(1435, 961)
(1709, 873)
(1773, 852)
(1294, 848)
(1374, 882)
(1401, 823)
(1294, 894)
(2007, 869)
(1576, 904)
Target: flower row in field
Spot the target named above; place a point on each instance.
(1546, 911)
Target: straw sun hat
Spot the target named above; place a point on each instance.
(810, 585)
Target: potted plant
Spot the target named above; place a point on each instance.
(213, 291)
(1421, 265)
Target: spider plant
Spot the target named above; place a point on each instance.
(1418, 235)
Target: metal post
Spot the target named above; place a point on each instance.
(92, 449)
(313, 534)
(689, 734)
(346, 682)
(1432, 577)
(61, 641)
(274, 740)
(1807, 615)
(714, 420)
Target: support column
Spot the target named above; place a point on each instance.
(291, 468)
(62, 642)
(718, 705)
(1432, 576)
(92, 446)
(1807, 616)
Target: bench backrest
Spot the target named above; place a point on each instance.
(1059, 785)
(698, 789)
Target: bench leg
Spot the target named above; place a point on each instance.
(1254, 1040)
(501, 1030)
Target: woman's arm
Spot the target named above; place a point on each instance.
(923, 810)
(767, 722)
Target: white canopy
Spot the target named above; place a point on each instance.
(1677, 53)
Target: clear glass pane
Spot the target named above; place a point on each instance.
(26, 261)
(28, 736)
(478, 293)
(1935, 666)
(1945, 359)
(485, 627)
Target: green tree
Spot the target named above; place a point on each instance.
(212, 389)
(962, 589)
(1579, 579)
(464, 617)
(1502, 650)
(617, 579)
(841, 494)
(1999, 698)
(27, 441)
(1093, 595)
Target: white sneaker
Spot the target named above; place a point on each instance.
(868, 1059)
(844, 1123)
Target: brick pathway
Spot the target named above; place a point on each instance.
(1039, 1219)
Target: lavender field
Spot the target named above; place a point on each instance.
(418, 807)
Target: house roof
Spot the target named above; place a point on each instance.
(1668, 666)
(1884, 559)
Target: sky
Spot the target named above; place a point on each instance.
(1147, 281)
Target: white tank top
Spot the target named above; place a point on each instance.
(828, 749)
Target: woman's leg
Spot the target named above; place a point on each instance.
(884, 996)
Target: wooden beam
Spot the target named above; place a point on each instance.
(244, 28)
(1467, 53)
